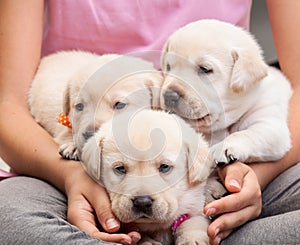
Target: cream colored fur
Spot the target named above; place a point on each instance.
(66, 81)
(157, 155)
(227, 91)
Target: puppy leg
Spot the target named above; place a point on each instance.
(69, 151)
(267, 141)
(193, 231)
(214, 189)
(67, 147)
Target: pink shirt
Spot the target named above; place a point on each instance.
(126, 26)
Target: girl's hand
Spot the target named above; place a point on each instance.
(243, 204)
(89, 203)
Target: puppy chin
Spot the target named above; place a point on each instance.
(162, 214)
(200, 121)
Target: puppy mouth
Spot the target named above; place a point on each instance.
(145, 219)
(202, 121)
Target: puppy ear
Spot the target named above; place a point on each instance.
(248, 69)
(91, 157)
(154, 84)
(165, 50)
(67, 100)
(199, 163)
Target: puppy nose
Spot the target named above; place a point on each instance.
(171, 98)
(143, 203)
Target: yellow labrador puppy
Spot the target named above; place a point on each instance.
(154, 167)
(86, 90)
(216, 79)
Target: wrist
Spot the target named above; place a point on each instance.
(266, 172)
(73, 173)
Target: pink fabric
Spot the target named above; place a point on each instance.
(127, 26)
(4, 174)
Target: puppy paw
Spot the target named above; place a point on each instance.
(214, 190)
(222, 154)
(69, 151)
(195, 237)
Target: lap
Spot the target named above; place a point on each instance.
(34, 212)
(280, 217)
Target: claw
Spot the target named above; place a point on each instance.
(231, 158)
(220, 164)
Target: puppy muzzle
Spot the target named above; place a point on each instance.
(143, 204)
(171, 98)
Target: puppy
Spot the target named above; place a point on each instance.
(154, 167)
(88, 89)
(216, 79)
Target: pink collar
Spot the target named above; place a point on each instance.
(179, 221)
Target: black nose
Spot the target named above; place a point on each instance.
(171, 98)
(143, 204)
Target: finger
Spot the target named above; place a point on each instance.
(94, 232)
(230, 221)
(81, 214)
(135, 237)
(118, 238)
(102, 206)
(230, 203)
(233, 176)
(83, 218)
(221, 236)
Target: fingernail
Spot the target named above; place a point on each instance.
(135, 239)
(217, 232)
(112, 223)
(211, 211)
(234, 183)
(125, 242)
(218, 240)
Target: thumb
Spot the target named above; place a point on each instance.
(233, 177)
(102, 206)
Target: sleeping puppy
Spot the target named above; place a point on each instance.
(88, 89)
(154, 167)
(216, 79)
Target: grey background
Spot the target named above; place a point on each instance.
(260, 27)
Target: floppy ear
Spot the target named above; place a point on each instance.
(154, 84)
(248, 69)
(163, 54)
(91, 157)
(67, 100)
(199, 163)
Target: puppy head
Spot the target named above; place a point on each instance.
(206, 64)
(147, 161)
(107, 87)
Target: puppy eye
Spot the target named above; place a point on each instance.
(168, 67)
(119, 105)
(120, 170)
(79, 107)
(165, 168)
(204, 70)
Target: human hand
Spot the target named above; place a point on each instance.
(243, 204)
(89, 203)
